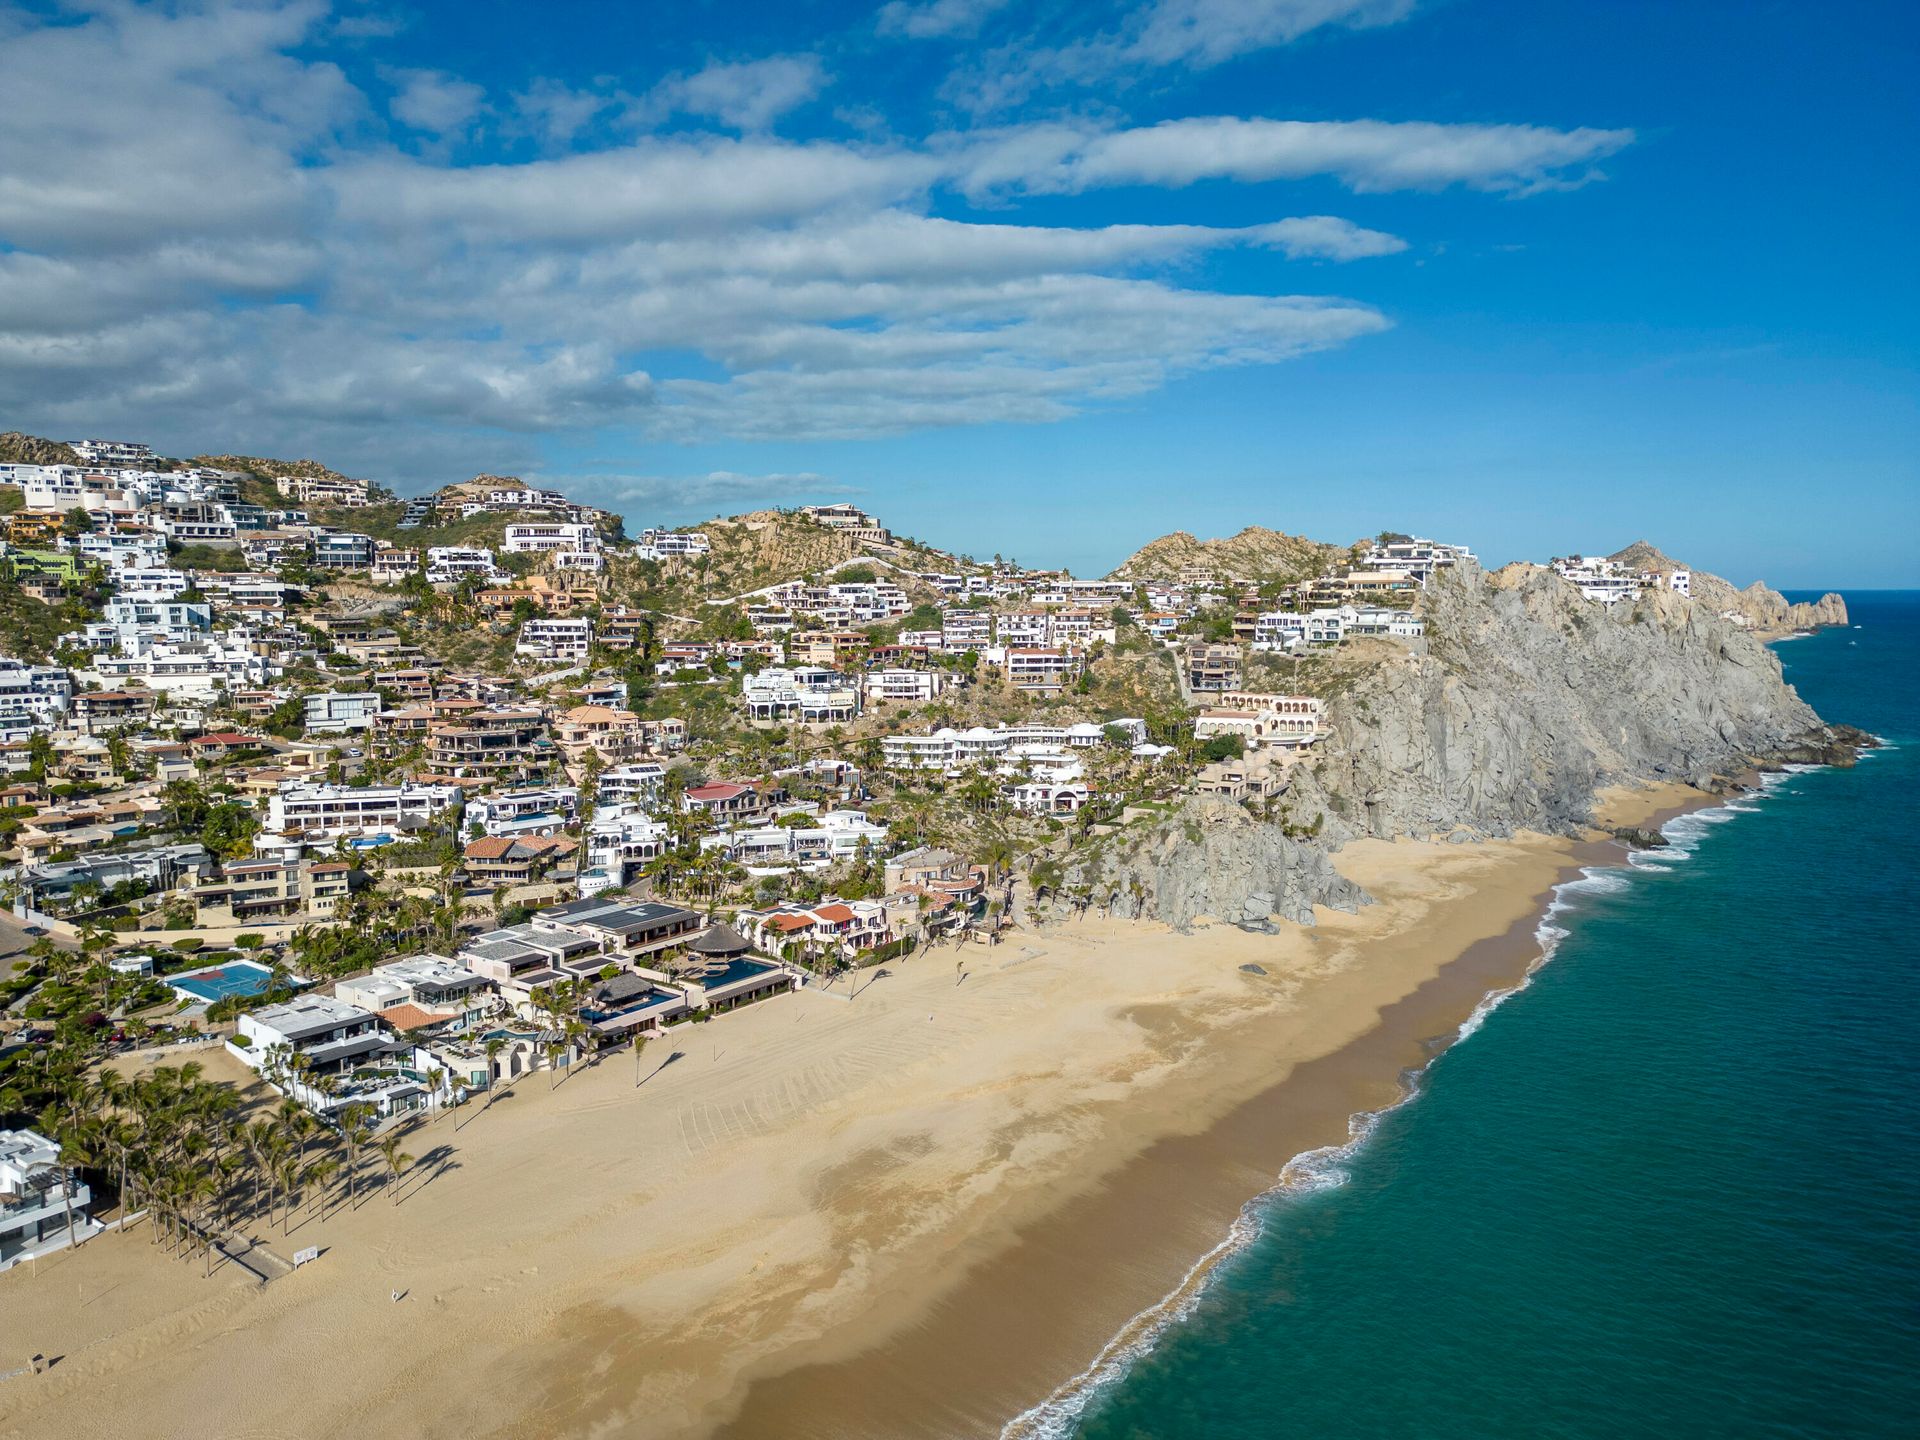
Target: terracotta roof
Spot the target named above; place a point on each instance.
(410, 1017)
(835, 913)
(791, 923)
(720, 791)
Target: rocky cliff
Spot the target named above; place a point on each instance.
(1211, 858)
(1766, 612)
(1523, 700)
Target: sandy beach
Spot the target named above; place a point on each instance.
(915, 1211)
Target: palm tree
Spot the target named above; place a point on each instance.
(639, 1046)
(396, 1161)
(494, 1046)
(356, 1128)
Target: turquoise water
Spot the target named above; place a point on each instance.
(1670, 1188)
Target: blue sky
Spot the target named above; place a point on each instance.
(1037, 279)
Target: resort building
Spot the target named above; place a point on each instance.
(906, 686)
(335, 712)
(322, 813)
(1212, 668)
(619, 839)
(270, 889)
(43, 1201)
(328, 1054)
(1041, 671)
(559, 641)
(529, 810)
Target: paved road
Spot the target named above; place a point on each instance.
(14, 939)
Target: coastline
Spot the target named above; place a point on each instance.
(859, 1221)
(960, 1370)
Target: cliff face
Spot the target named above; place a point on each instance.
(1524, 699)
(1529, 697)
(1212, 859)
(1766, 612)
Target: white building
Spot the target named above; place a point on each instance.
(563, 641)
(326, 813)
(337, 712)
(620, 838)
(543, 539)
(194, 670)
(638, 781)
(112, 452)
(1598, 579)
(535, 810)
(32, 696)
(811, 695)
(38, 1195)
(906, 685)
(130, 620)
(666, 544)
(451, 564)
(328, 1039)
(1416, 557)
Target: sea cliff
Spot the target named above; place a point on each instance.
(1522, 701)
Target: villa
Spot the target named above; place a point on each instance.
(43, 1202)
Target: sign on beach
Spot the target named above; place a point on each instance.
(301, 1257)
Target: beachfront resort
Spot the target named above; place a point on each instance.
(396, 803)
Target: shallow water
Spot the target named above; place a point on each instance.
(1670, 1187)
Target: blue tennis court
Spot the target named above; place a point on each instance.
(219, 982)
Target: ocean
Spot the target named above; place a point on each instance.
(1669, 1187)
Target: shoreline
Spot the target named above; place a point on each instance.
(764, 1242)
(1411, 1034)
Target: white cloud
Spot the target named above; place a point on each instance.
(214, 249)
(933, 19)
(1206, 32)
(677, 497)
(1197, 34)
(434, 101)
(1368, 155)
(748, 96)
(1328, 237)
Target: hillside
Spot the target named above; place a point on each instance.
(765, 547)
(1524, 700)
(268, 469)
(19, 449)
(1766, 611)
(1256, 553)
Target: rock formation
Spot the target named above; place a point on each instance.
(1255, 553)
(1212, 858)
(1524, 699)
(1766, 612)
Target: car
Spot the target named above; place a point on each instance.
(36, 930)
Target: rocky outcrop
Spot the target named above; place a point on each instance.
(1530, 697)
(1523, 700)
(1766, 612)
(19, 449)
(1255, 553)
(1209, 859)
